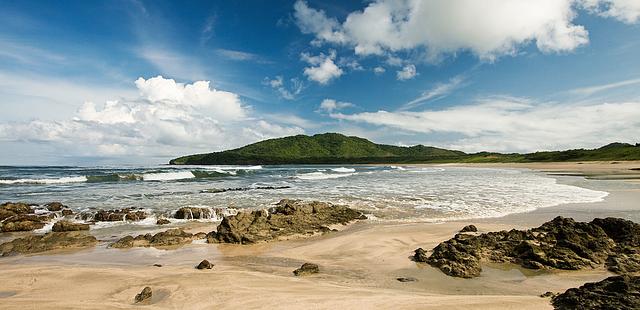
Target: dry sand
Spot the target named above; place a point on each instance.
(359, 267)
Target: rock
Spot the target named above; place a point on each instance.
(144, 295)
(66, 212)
(287, 219)
(205, 264)
(408, 279)
(48, 241)
(119, 215)
(171, 237)
(618, 292)
(187, 213)
(306, 269)
(561, 244)
(21, 217)
(69, 226)
(469, 228)
(55, 206)
(163, 222)
(547, 295)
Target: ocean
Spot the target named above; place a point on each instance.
(383, 193)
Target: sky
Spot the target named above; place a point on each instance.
(140, 82)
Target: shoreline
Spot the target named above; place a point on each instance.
(359, 265)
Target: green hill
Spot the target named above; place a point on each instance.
(328, 148)
(333, 148)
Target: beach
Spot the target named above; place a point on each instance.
(359, 265)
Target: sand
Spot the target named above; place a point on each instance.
(359, 267)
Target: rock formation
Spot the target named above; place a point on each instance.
(69, 226)
(307, 269)
(619, 292)
(205, 264)
(561, 243)
(287, 219)
(22, 217)
(170, 237)
(145, 295)
(46, 242)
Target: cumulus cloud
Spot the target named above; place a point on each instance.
(167, 119)
(379, 70)
(489, 29)
(323, 68)
(507, 123)
(627, 11)
(329, 105)
(408, 72)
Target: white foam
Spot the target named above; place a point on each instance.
(321, 176)
(168, 176)
(46, 181)
(343, 170)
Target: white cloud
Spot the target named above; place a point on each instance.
(436, 93)
(489, 29)
(167, 119)
(408, 72)
(627, 11)
(379, 70)
(278, 84)
(516, 124)
(323, 68)
(330, 105)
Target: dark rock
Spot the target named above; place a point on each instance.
(163, 222)
(144, 295)
(48, 241)
(171, 237)
(21, 217)
(619, 292)
(408, 279)
(69, 226)
(287, 219)
(561, 243)
(55, 206)
(66, 212)
(307, 269)
(157, 265)
(205, 264)
(547, 295)
(119, 215)
(188, 213)
(469, 228)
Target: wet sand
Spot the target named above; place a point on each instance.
(359, 267)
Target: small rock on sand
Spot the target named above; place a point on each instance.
(144, 295)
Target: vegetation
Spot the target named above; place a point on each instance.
(333, 148)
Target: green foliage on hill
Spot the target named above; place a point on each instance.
(328, 148)
(333, 148)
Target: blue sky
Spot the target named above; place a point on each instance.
(140, 82)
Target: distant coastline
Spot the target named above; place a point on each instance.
(338, 149)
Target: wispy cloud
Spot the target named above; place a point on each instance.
(587, 91)
(438, 92)
(507, 123)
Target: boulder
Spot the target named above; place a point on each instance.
(55, 206)
(205, 264)
(163, 222)
(119, 215)
(171, 237)
(469, 228)
(561, 244)
(69, 226)
(188, 213)
(145, 295)
(288, 218)
(306, 270)
(48, 241)
(21, 217)
(618, 292)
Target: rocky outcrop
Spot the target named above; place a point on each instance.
(144, 296)
(205, 264)
(188, 213)
(46, 242)
(469, 228)
(619, 292)
(561, 243)
(171, 237)
(69, 226)
(119, 215)
(287, 219)
(307, 269)
(22, 217)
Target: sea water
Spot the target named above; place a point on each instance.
(383, 193)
